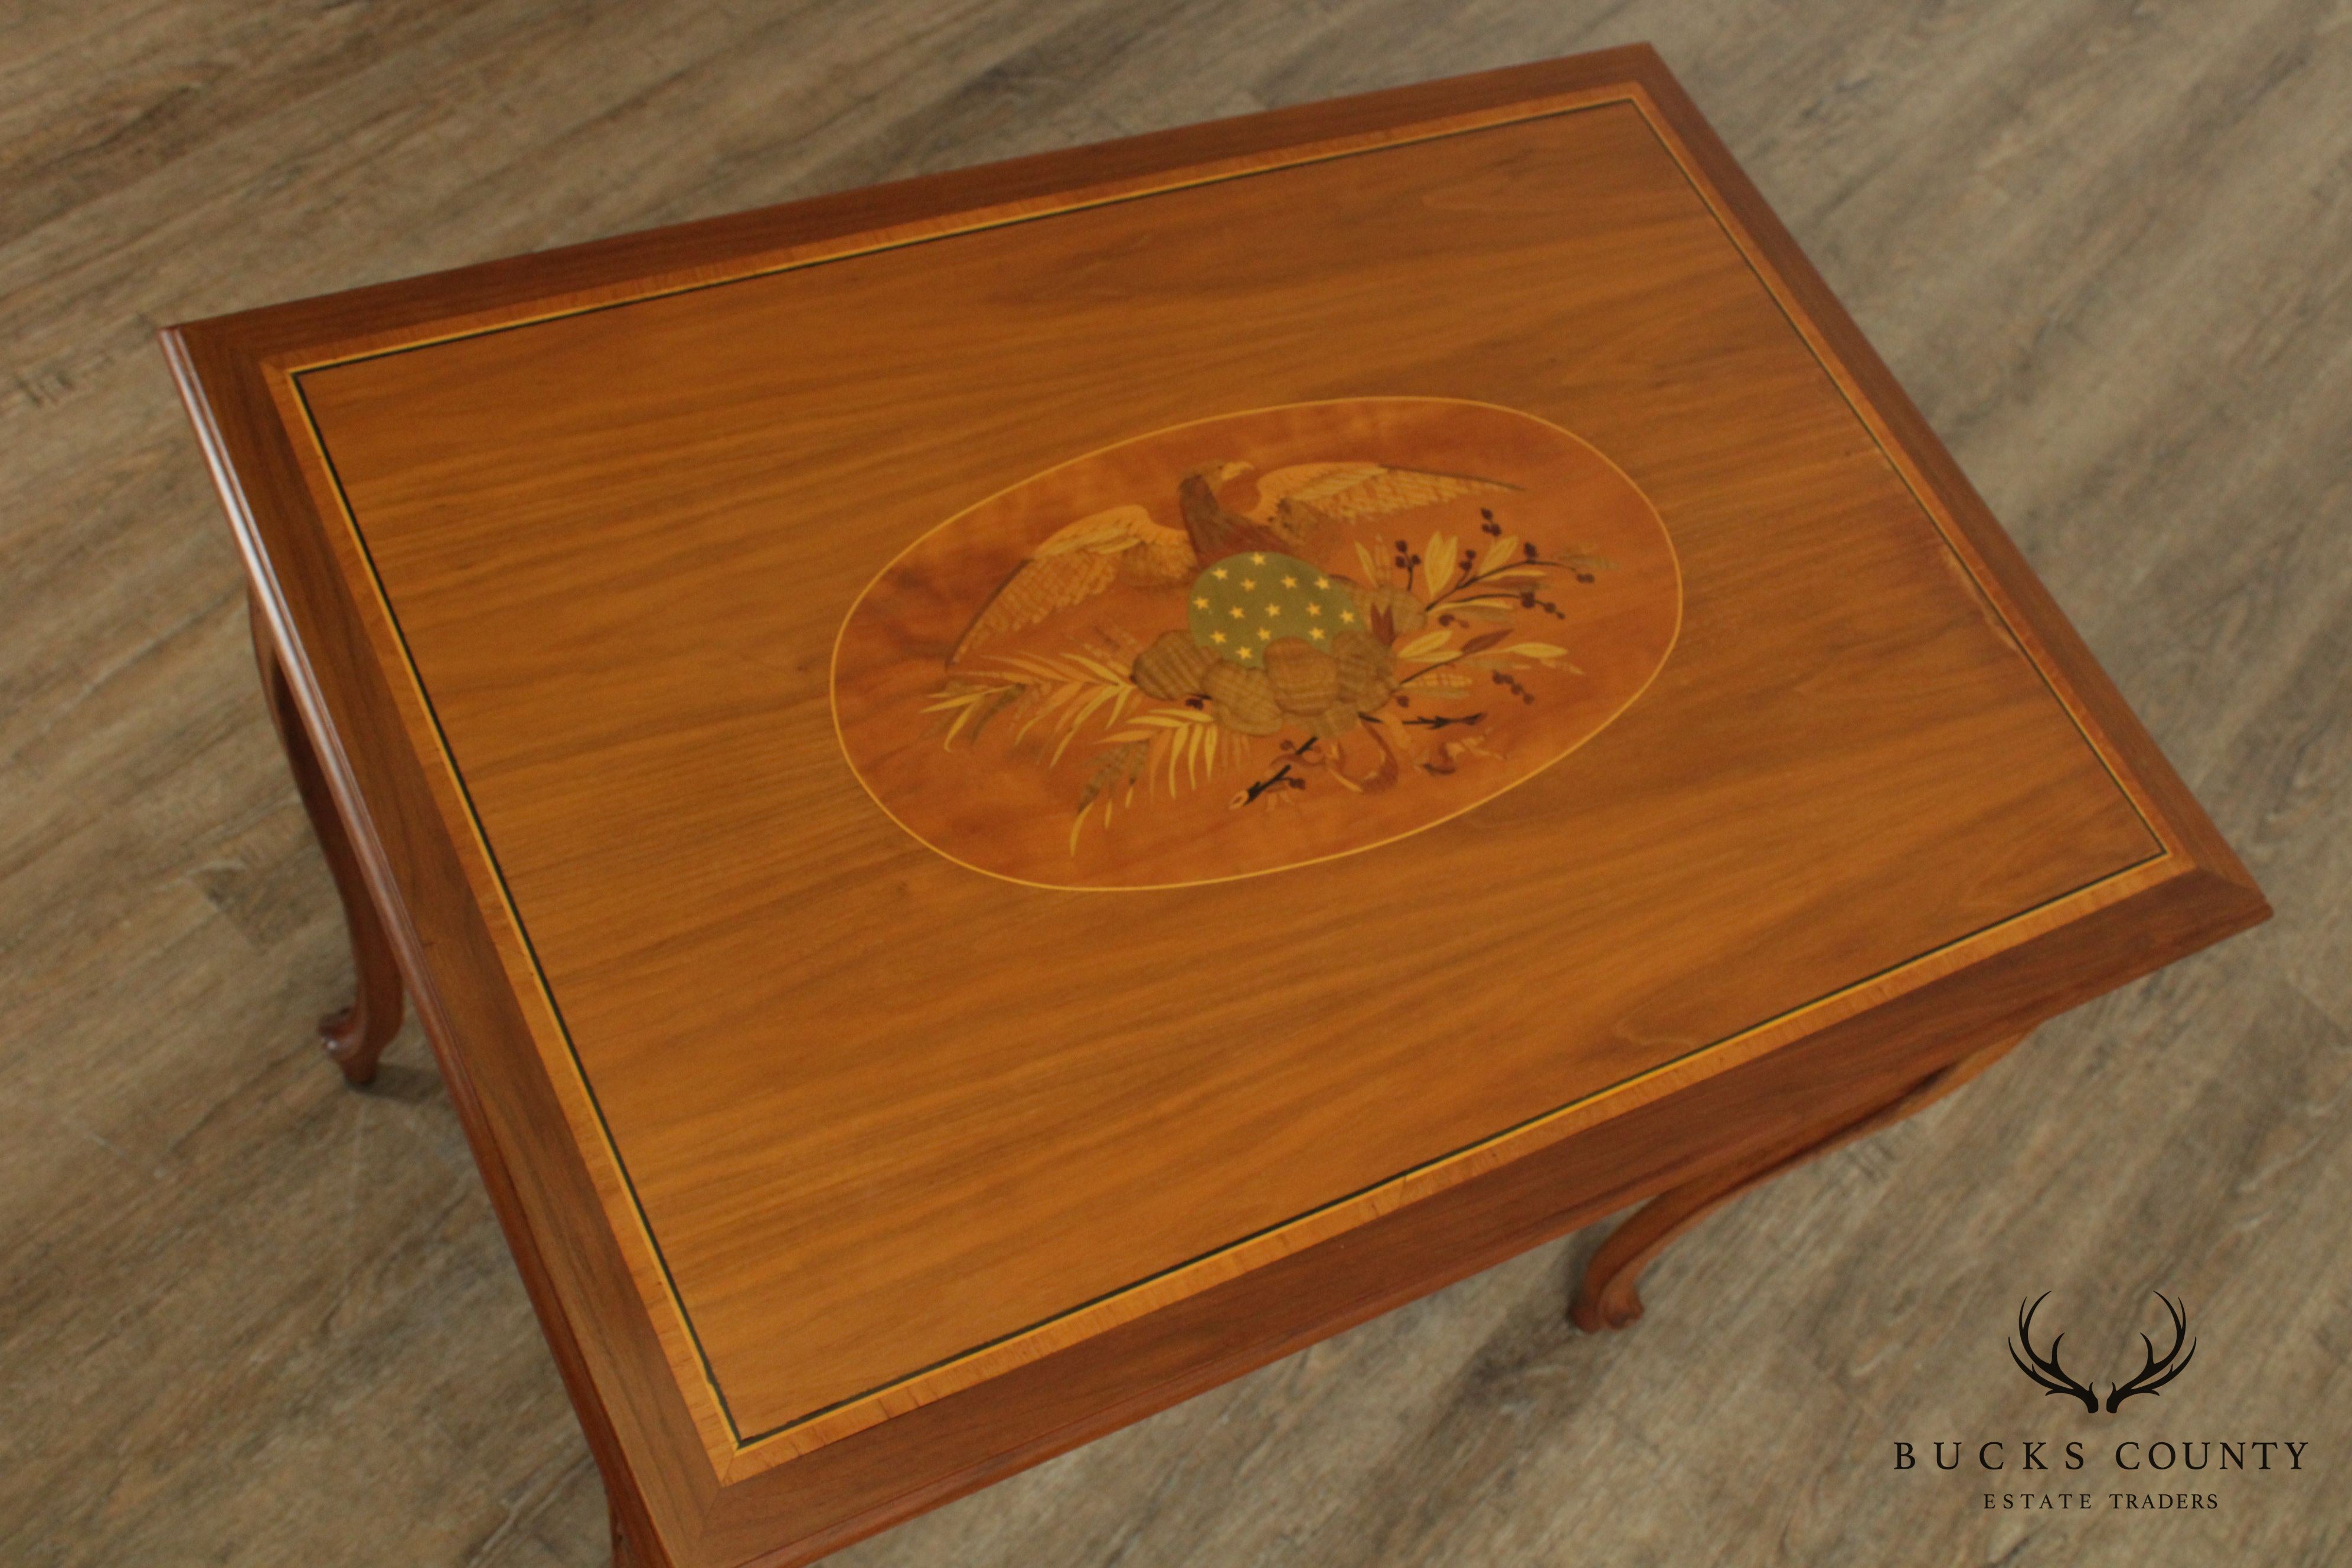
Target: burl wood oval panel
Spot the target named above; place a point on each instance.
(1253, 641)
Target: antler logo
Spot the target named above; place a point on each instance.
(2054, 1378)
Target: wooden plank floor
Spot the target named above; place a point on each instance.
(249, 1317)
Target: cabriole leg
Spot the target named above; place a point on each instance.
(1609, 1296)
(624, 1554)
(355, 1037)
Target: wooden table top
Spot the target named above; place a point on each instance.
(972, 761)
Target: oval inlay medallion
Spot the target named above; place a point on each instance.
(1253, 641)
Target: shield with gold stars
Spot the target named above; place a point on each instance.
(1243, 603)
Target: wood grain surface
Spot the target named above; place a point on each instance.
(617, 544)
(93, 721)
(825, 1232)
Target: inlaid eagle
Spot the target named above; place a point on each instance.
(1224, 512)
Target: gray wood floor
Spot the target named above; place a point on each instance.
(248, 1317)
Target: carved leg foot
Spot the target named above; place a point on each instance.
(355, 1037)
(1609, 1296)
